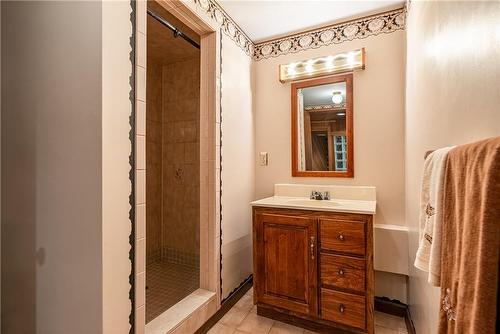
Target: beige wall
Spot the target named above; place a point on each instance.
(452, 98)
(394, 286)
(70, 137)
(378, 123)
(378, 134)
(116, 149)
(52, 209)
(237, 165)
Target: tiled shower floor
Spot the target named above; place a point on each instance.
(167, 284)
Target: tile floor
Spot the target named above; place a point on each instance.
(167, 284)
(243, 319)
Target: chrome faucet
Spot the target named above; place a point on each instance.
(319, 196)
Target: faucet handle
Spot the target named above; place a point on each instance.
(317, 195)
(326, 196)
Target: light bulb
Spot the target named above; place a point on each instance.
(337, 98)
(309, 66)
(329, 62)
(350, 58)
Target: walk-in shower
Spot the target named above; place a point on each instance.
(172, 163)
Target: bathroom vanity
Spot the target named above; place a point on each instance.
(313, 259)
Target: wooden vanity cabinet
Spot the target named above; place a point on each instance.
(286, 261)
(314, 269)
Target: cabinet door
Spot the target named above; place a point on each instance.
(286, 262)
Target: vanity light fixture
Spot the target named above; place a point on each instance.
(337, 97)
(333, 64)
(309, 66)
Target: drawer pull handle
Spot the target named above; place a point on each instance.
(341, 272)
(312, 248)
(341, 237)
(342, 308)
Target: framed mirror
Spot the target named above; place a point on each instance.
(322, 127)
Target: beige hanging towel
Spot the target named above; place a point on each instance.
(428, 256)
(470, 239)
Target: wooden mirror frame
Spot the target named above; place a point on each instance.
(348, 79)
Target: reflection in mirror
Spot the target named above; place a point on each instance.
(322, 128)
(322, 120)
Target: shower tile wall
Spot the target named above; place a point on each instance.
(153, 162)
(181, 171)
(172, 166)
(172, 160)
(173, 177)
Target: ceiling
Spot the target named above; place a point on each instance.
(322, 95)
(262, 20)
(162, 46)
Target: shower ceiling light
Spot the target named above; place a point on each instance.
(337, 97)
(333, 64)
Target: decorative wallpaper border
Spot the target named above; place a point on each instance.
(227, 25)
(363, 27)
(220, 169)
(326, 107)
(131, 213)
(386, 22)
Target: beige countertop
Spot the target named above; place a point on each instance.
(304, 203)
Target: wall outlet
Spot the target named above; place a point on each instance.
(263, 158)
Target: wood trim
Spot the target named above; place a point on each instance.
(410, 327)
(330, 148)
(392, 307)
(304, 321)
(395, 307)
(322, 326)
(226, 306)
(370, 279)
(339, 216)
(187, 16)
(307, 139)
(348, 78)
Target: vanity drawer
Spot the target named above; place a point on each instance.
(343, 272)
(343, 308)
(343, 236)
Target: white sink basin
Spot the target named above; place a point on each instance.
(312, 202)
(350, 199)
(304, 203)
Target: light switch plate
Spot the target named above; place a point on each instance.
(263, 158)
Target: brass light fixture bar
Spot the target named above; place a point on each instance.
(317, 67)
